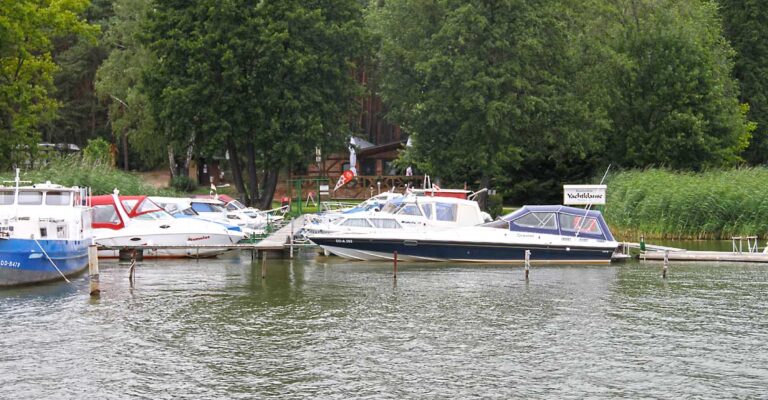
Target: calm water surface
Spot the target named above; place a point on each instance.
(327, 328)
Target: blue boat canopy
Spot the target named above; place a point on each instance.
(556, 220)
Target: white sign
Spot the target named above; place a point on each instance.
(584, 194)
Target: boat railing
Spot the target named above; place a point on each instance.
(738, 241)
(330, 206)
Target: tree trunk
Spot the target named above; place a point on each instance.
(253, 178)
(171, 162)
(270, 184)
(188, 156)
(125, 150)
(237, 172)
(485, 180)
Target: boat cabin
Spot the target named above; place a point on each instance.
(556, 220)
(43, 211)
(106, 214)
(414, 211)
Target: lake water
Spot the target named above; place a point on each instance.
(321, 327)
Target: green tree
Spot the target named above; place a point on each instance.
(747, 29)
(119, 83)
(81, 115)
(484, 87)
(674, 101)
(267, 80)
(27, 31)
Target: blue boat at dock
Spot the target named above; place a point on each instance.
(45, 232)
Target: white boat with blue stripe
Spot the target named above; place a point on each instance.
(45, 231)
(553, 234)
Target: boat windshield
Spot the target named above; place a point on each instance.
(499, 224)
(153, 215)
(207, 208)
(235, 205)
(393, 206)
(149, 210)
(539, 220)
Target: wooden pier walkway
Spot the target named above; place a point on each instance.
(686, 255)
(281, 240)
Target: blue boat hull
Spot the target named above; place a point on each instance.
(23, 262)
(371, 249)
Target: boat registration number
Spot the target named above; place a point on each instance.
(10, 264)
(343, 240)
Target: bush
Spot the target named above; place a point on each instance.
(97, 152)
(72, 170)
(495, 205)
(184, 184)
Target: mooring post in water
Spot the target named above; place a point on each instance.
(527, 263)
(132, 270)
(93, 269)
(264, 265)
(666, 264)
(291, 238)
(394, 258)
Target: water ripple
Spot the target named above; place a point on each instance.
(340, 330)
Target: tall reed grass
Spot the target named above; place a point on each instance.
(662, 204)
(102, 179)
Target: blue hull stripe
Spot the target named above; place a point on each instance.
(471, 251)
(22, 261)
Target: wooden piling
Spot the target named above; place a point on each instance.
(264, 265)
(527, 263)
(666, 265)
(291, 238)
(93, 269)
(132, 270)
(395, 264)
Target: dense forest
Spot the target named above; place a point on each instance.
(519, 95)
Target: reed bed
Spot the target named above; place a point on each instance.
(102, 179)
(662, 204)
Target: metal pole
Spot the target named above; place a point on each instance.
(291, 238)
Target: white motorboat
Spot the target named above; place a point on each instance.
(404, 213)
(551, 234)
(137, 221)
(209, 210)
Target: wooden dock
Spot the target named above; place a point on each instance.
(686, 255)
(282, 240)
(278, 244)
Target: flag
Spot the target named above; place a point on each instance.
(434, 186)
(345, 178)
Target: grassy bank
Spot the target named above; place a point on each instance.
(709, 205)
(102, 179)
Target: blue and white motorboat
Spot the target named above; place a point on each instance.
(552, 234)
(45, 231)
